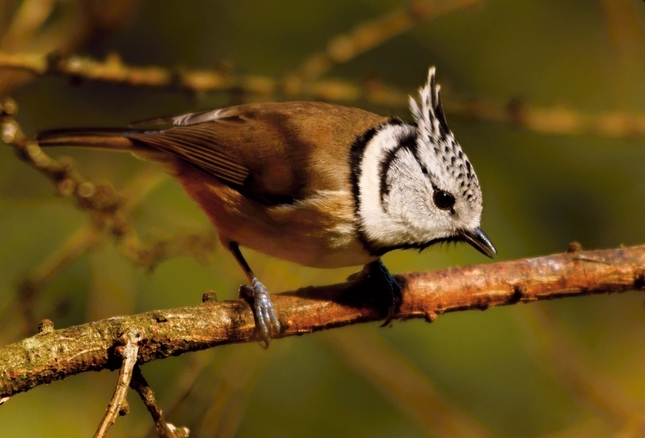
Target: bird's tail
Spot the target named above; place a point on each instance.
(95, 138)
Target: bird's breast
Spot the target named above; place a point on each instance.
(318, 231)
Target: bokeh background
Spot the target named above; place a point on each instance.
(560, 369)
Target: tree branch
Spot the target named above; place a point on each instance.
(118, 404)
(53, 355)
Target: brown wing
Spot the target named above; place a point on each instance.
(271, 151)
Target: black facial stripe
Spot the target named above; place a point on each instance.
(409, 142)
(415, 151)
(411, 145)
(356, 153)
(395, 121)
(379, 251)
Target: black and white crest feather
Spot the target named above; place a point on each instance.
(434, 133)
(399, 168)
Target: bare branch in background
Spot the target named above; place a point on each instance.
(554, 120)
(78, 24)
(108, 210)
(371, 34)
(164, 429)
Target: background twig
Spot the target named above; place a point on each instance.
(559, 120)
(118, 404)
(164, 429)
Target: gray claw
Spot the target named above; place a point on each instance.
(263, 311)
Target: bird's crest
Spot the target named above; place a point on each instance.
(428, 112)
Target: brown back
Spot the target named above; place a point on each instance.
(271, 150)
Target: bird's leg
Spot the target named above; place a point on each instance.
(376, 275)
(263, 311)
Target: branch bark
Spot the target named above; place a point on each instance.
(56, 354)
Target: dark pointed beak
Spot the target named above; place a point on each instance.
(479, 241)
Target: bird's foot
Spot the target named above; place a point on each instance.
(376, 275)
(263, 311)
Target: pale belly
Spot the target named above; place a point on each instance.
(318, 232)
(328, 247)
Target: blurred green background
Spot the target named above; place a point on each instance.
(514, 371)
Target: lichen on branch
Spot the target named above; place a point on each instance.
(56, 354)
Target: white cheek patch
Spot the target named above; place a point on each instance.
(393, 190)
(377, 224)
(410, 203)
(410, 190)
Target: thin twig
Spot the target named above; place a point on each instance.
(343, 48)
(118, 404)
(108, 208)
(554, 120)
(181, 389)
(164, 429)
(113, 70)
(52, 356)
(102, 200)
(65, 34)
(87, 237)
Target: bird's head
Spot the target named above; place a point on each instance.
(413, 185)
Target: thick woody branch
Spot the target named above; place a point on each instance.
(53, 355)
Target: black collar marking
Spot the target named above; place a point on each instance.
(356, 152)
(408, 142)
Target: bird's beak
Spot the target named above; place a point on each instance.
(479, 241)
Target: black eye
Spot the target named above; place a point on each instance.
(443, 200)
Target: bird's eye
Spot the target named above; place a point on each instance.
(443, 200)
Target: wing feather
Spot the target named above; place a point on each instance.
(270, 151)
(198, 146)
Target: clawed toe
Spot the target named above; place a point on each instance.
(266, 320)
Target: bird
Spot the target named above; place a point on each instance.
(314, 183)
